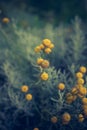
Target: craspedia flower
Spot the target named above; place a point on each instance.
(54, 119)
(82, 90)
(47, 50)
(51, 46)
(44, 76)
(39, 61)
(46, 42)
(37, 49)
(84, 101)
(36, 129)
(29, 97)
(83, 69)
(80, 118)
(45, 64)
(24, 88)
(42, 46)
(80, 81)
(74, 90)
(5, 20)
(61, 86)
(79, 75)
(70, 98)
(66, 117)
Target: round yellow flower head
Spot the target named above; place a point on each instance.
(47, 50)
(80, 118)
(5, 20)
(46, 42)
(24, 88)
(39, 61)
(80, 81)
(54, 119)
(51, 46)
(79, 75)
(36, 129)
(45, 64)
(37, 49)
(69, 98)
(82, 91)
(42, 46)
(44, 76)
(74, 90)
(84, 101)
(83, 69)
(61, 86)
(66, 117)
(28, 97)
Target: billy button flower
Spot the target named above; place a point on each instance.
(24, 88)
(82, 91)
(79, 75)
(45, 64)
(74, 90)
(80, 118)
(51, 46)
(84, 101)
(28, 97)
(47, 50)
(66, 117)
(54, 119)
(80, 81)
(37, 49)
(70, 98)
(42, 46)
(61, 86)
(39, 61)
(46, 42)
(5, 20)
(44, 76)
(82, 69)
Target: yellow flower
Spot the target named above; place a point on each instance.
(44, 76)
(80, 118)
(5, 20)
(37, 49)
(24, 88)
(82, 91)
(79, 75)
(66, 117)
(83, 69)
(46, 42)
(74, 90)
(51, 46)
(36, 129)
(84, 101)
(61, 86)
(80, 81)
(39, 61)
(54, 119)
(28, 97)
(42, 46)
(45, 64)
(47, 50)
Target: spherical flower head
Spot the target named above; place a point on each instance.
(54, 119)
(79, 75)
(24, 88)
(29, 97)
(51, 46)
(46, 42)
(83, 69)
(39, 61)
(84, 101)
(61, 86)
(69, 98)
(80, 81)
(74, 90)
(36, 129)
(37, 49)
(42, 46)
(44, 76)
(80, 118)
(66, 117)
(5, 20)
(82, 91)
(47, 50)
(45, 64)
